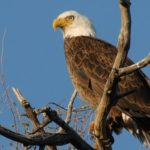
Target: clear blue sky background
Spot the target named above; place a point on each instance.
(34, 56)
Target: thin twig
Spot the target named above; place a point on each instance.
(70, 107)
(2, 51)
(10, 102)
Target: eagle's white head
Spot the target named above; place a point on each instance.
(74, 24)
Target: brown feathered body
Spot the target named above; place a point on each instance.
(89, 62)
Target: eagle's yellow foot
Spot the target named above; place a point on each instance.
(107, 142)
(91, 127)
(95, 146)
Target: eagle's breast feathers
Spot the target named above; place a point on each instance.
(89, 63)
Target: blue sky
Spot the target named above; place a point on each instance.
(34, 56)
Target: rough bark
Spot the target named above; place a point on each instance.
(111, 85)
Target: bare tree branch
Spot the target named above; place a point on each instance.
(44, 139)
(49, 138)
(11, 105)
(28, 109)
(127, 70)
(69, 109)
(70, 106)
(75, 139)
(31, 114)
(110, 87)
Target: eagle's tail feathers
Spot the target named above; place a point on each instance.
(139, 127)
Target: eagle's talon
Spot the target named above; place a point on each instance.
(108, 142)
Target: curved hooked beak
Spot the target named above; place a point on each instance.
(59, 23)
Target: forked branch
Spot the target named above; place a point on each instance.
(111, 85)
(70, 136)
(31, 114)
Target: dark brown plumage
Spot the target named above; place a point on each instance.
(89, 62)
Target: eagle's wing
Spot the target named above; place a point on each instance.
(92, 60)
(89, 63)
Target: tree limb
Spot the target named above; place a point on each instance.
(44, 139)
(27, 107)
(74, 138)
(111, 85)
(31, 114)
(127, 70)
(49, 138)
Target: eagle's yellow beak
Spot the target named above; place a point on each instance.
(59, 22)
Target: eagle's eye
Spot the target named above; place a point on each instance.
(70, 18)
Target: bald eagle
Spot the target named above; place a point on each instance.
(89, 62)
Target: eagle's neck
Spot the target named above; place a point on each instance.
(78, 31)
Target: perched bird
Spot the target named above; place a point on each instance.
(89, 62)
